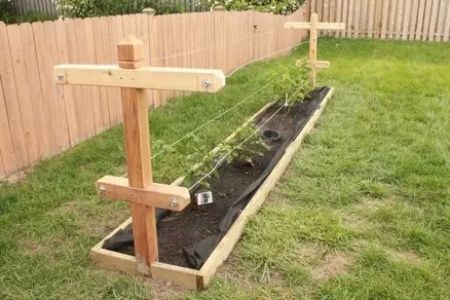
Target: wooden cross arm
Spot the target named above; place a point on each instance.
(169, 197)
(322, 64)
(306, 25)
(319, 64)
(180, 79)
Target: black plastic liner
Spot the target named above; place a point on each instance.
(198, 253)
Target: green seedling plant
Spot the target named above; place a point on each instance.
(290, 84)
(287, 83)
(244, 146)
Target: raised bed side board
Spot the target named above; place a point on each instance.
(199, 279)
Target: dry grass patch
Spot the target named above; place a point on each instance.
(162, 290)
(334, 264)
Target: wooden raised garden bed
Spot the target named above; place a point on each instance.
(199, 278)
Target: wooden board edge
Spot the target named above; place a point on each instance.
(114, 261)
(226, 245)
(184, 277)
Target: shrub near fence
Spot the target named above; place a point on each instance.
(38, 119)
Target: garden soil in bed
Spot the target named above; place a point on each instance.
(187, 238)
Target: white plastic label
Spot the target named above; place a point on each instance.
(204, 198)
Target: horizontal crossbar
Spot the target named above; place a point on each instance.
(178, 79)
(322, 26)
(322, 64)
(169, 197)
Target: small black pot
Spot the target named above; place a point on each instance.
(271, 135)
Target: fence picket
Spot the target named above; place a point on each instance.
(440, 21)
(447, 24)
(23, 92)
(350, 24)
(406, 18)
(427, 17)
(66, 92)
(413, 20)
(8, 164)
(432, 28)
(99, 58)
(56, 106)
(11, 100)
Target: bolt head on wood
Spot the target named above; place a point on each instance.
(131, 53)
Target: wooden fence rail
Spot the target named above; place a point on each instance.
(426, 20)
(38, 119)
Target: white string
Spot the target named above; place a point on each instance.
(270, 55)
(209, 47)
(222, 159)
(236, 105)
(211, 120)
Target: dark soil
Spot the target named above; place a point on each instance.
(187, 228)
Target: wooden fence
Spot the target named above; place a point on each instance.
(426, 20)
(38, 119)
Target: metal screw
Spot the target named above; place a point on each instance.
(174, 203)
(60, 77)
(206, 83)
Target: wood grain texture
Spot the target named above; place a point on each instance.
(426, 22)
(11, 102)
(413, 20)
(162, 78)
(24, 96)
(447, 24)
(156, 195)
(66, 92)
(137, 149)
(420, 20)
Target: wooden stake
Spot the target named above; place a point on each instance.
(137, 147)
(313, 26)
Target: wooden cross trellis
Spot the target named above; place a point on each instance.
(314, 26)
(139, 189)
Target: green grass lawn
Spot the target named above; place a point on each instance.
(363, 211)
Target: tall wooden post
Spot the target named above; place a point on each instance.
(313, 26)
(137, 147)
(139, 189)
(313, 47)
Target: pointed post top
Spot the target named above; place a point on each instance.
(131, 53)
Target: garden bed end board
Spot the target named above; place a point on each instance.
(199, 279)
